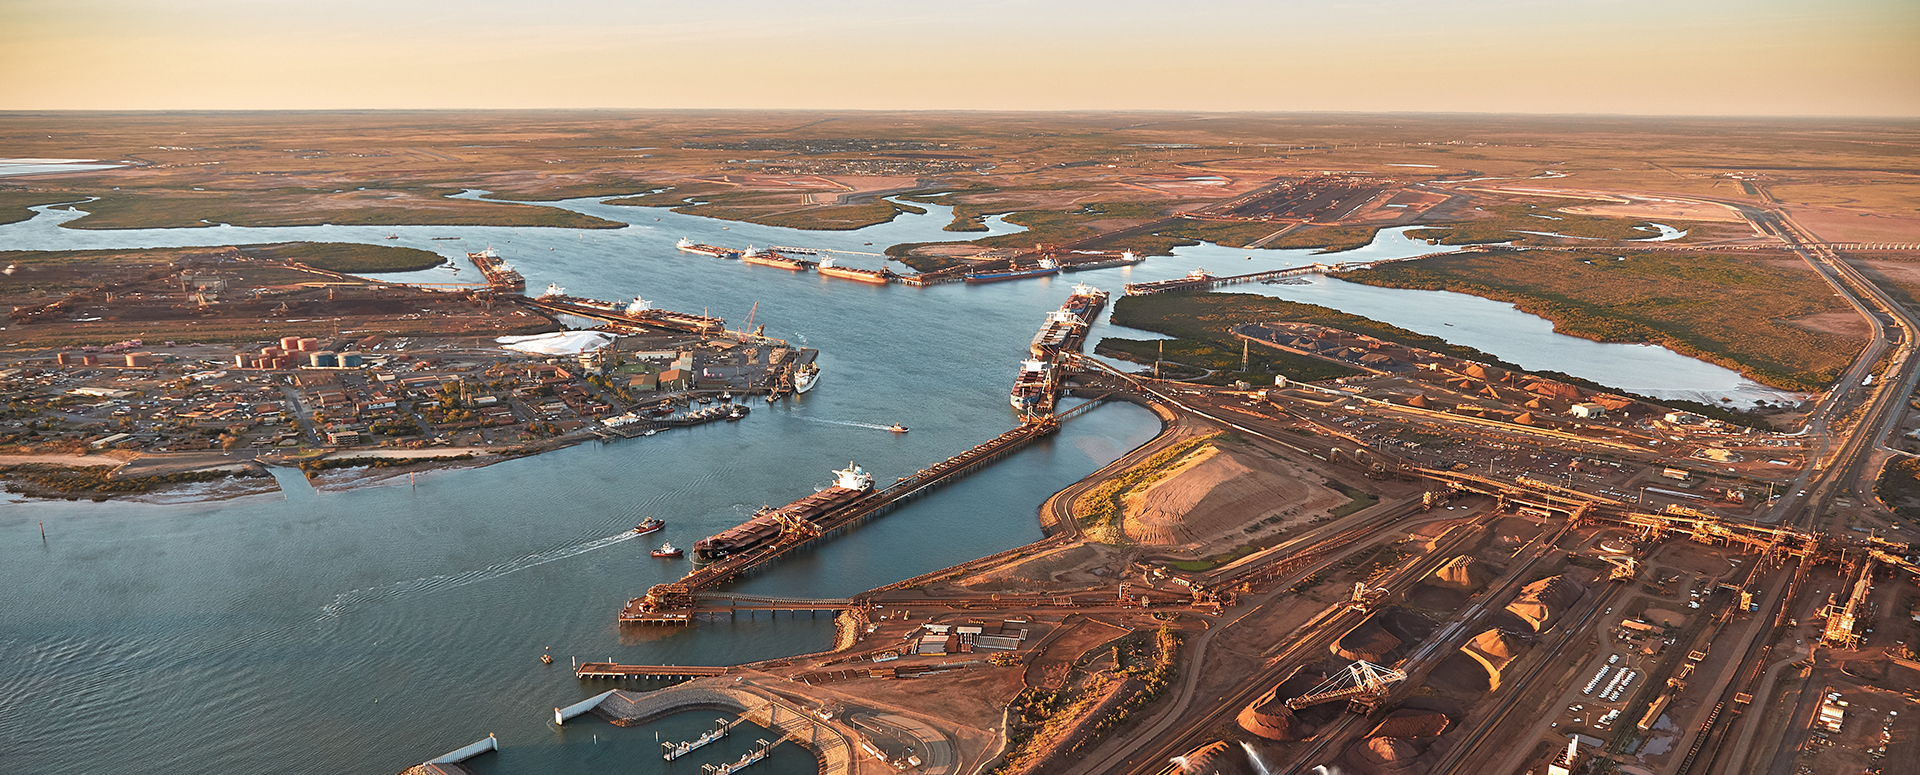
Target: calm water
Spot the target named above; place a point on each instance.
(367, 630)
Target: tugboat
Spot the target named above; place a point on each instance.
(668, 550)
(648, 525)
(897, 428)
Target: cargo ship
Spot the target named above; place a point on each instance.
(1126, 259)
(689, 246)
(1032, 394)
(1066, 327)
(1198, 279)
(500, 275)
(1044, 268)
(773, 259)
(849, 485)
(876, 276)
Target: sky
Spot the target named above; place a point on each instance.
(1688, 57)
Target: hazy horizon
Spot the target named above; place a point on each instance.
(1852, 58)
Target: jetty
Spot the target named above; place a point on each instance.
(617, 670)
(671, 751)
(674, 603)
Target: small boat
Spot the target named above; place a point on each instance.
(897, 428)
(546, 659)
(668, 550)
(393, 236)
(649, 432)
(648, 525)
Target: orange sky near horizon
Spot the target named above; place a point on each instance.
(1714, 57)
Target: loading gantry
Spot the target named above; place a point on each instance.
(1362, 685)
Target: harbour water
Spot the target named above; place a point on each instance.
(366, 630)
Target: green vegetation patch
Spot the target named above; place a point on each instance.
(1899, 486)
(769, 208)
(94, 480)
(349, 257)
(1734, 311)
(1212, 561)
(316, 465)
(556, 191)
(1329, 239)
(1210, 317)
(1223, 358)
(14, 204)
(1360, 499)
(167, 209)
(1055, 226)
(1507, 223)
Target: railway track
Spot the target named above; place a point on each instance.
(1456, 755)
(1150, 748)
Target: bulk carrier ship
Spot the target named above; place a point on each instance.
(1032, 394)
(1126, 259)
(876, 276)
(773, 259)
(500, 275)
(689, 246)
(1044, 268)
(849, 485)
(1066, 327)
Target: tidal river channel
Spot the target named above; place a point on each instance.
(367, 630)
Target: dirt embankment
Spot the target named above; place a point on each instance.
(1219, 490)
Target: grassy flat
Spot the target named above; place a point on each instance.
(1765, 314)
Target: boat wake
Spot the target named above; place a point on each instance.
(347, 601)
(848, 423)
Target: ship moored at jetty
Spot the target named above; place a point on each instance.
(1042, 269)
(689, 246)
(773, 258)
(1125, 259)
(637, 312)
(850, 484)
(1196, 279)
(877, 276)
(1033, 390)
(499, 274)
(1067, 326)
(805, 377)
